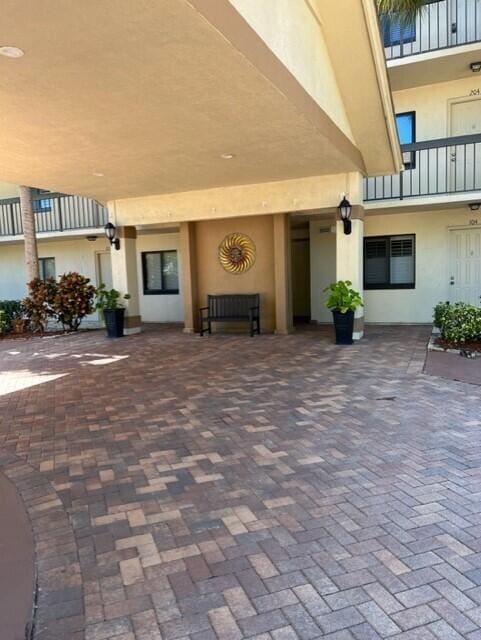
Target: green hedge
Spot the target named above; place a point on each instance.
(459, 322)
(12, 309)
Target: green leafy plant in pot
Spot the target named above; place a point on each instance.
(108, 303)
(343, 302)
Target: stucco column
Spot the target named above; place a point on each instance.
(124, 276)
(282, 273)
(188, 274)
(349, 260)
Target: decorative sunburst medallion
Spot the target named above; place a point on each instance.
(237, 253)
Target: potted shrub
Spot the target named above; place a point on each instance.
(107, 302)
(343, 301)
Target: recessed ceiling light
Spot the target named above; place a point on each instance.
(11, 52)
(97, 174)
(227, 156)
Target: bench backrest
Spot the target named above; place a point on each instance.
(235, 305)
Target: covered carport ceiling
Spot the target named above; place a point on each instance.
(117, 99)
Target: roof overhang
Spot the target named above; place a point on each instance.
(357, 53)
(117, 99)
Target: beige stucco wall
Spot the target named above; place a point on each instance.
(237, 201)
(432, 264)
(432, 105)
(159, 308)
(431, 229)
(295, 36)
(8, 190)
(212, 278)
(70, 255)
(80, 255)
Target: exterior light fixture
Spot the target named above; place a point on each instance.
(11, 52)
(475, 67)
(345, 210)
(91, 238)
(227, 156)
(110, 234)
(474, 206)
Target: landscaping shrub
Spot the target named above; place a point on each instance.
(3, 322)
(73, 299)
(458, 323)
(12, 309)
(38, 305)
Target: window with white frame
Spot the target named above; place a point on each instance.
(389, 262)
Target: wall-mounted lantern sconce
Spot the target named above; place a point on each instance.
(345, 209)
(474, 206)
(110, 233)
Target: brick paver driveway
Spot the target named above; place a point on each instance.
(229, 487)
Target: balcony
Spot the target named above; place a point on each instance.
(441, 25)
(54, 212)
(447, 166)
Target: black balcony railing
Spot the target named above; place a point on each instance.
(440, 25)
(434, 167)
(53, 212)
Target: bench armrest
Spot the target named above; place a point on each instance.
(203, 309)
(252, 310)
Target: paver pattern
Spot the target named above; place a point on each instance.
(222, 488)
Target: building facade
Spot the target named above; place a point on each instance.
(264, 142)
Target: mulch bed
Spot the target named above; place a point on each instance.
(464, 346)
(28, 335)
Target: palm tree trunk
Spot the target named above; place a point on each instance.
(30, 238)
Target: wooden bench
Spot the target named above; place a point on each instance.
(231, 307)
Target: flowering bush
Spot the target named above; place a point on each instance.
(3, 322)
(10, 310)
(73, 299)
(459, 322)
(67, 301)
(38, 305)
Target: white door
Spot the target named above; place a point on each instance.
(104, 269)
(465, 266)
(465, 159)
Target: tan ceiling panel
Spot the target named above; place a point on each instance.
(148, 94)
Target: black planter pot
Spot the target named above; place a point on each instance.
(114, 322)
(344, 326)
